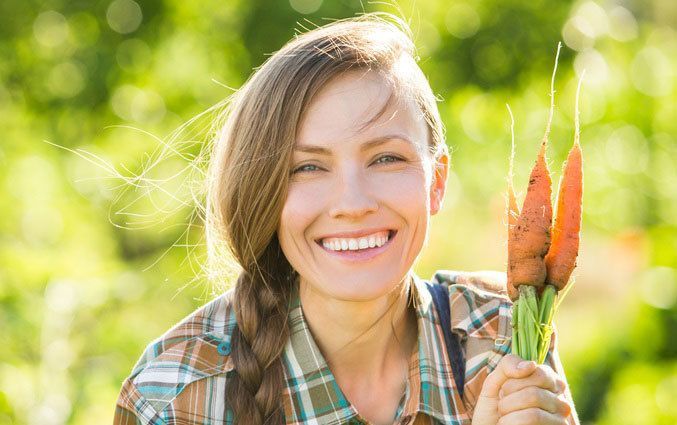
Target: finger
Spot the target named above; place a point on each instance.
(510, 366)
(531, 416)
(534, 397)
(543, 376)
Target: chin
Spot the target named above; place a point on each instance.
(355, 288)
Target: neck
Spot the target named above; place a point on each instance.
(361, 336)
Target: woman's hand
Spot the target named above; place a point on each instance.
(518, 392)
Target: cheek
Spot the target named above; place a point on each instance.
(405, 191)
(302, 206)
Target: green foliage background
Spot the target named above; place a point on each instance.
(90, 273)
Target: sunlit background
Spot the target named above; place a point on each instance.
(97, 259)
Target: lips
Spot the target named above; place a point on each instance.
(359, 256)
(347, 237)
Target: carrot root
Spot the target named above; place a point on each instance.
(529, 240)
(561, 258)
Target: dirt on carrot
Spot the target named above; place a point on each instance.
(529, 237)
(561, 258)
(540, 263)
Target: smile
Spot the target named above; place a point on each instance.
(377, 239)
(360, 248)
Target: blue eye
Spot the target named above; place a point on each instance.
(387, 159)
(304, 168)
(310, 168)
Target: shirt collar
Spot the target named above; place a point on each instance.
(312, 393)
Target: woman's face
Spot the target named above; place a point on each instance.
(359, 202)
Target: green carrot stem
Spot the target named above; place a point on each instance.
(528, 324)
(546, 313)
(515, 317)
(534, 333)
(532, 322)
(521, 328)
(547, 303)
(544, 344)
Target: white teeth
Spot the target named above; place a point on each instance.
(353, 244)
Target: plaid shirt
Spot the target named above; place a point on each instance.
(181, 377)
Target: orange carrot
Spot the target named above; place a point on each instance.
(538, 267)
(529, 241)
(561, 258)
(531, 235)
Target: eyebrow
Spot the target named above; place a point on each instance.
(365, 146)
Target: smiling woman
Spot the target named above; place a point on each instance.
(365, 182)
(322, 182)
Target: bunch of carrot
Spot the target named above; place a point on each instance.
(541, 257)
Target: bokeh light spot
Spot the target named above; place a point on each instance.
(622, 24)
(472, 117)
(61, 296)
(596, 68)
(593, 18)
(651, 72)
(33, 180)
(50, 28)
(133, 55)
(148, 107)
(658, 287)
(305, 6)
(627, 150)
(42, 225)
(134, 104)
(666, 394)
(429, 39)
(124, 16)
(129, 286)
(578, 34)
(66, 80)
(462, 21)
(490, 60)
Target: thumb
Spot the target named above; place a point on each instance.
(510, 366)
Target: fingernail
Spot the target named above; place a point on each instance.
(524, 365)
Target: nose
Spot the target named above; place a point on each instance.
(352, 195)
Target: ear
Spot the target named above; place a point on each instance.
(438, 185)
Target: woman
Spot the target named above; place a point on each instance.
(322, 182)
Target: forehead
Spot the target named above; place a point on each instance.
(343, 109)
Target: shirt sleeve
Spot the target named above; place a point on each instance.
(125, 417)
(132, 408)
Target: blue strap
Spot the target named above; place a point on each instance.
(441, 300)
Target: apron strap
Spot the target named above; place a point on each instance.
(440, 296)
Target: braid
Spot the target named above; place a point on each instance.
(261, 302)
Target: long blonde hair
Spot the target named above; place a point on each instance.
(248, 179)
